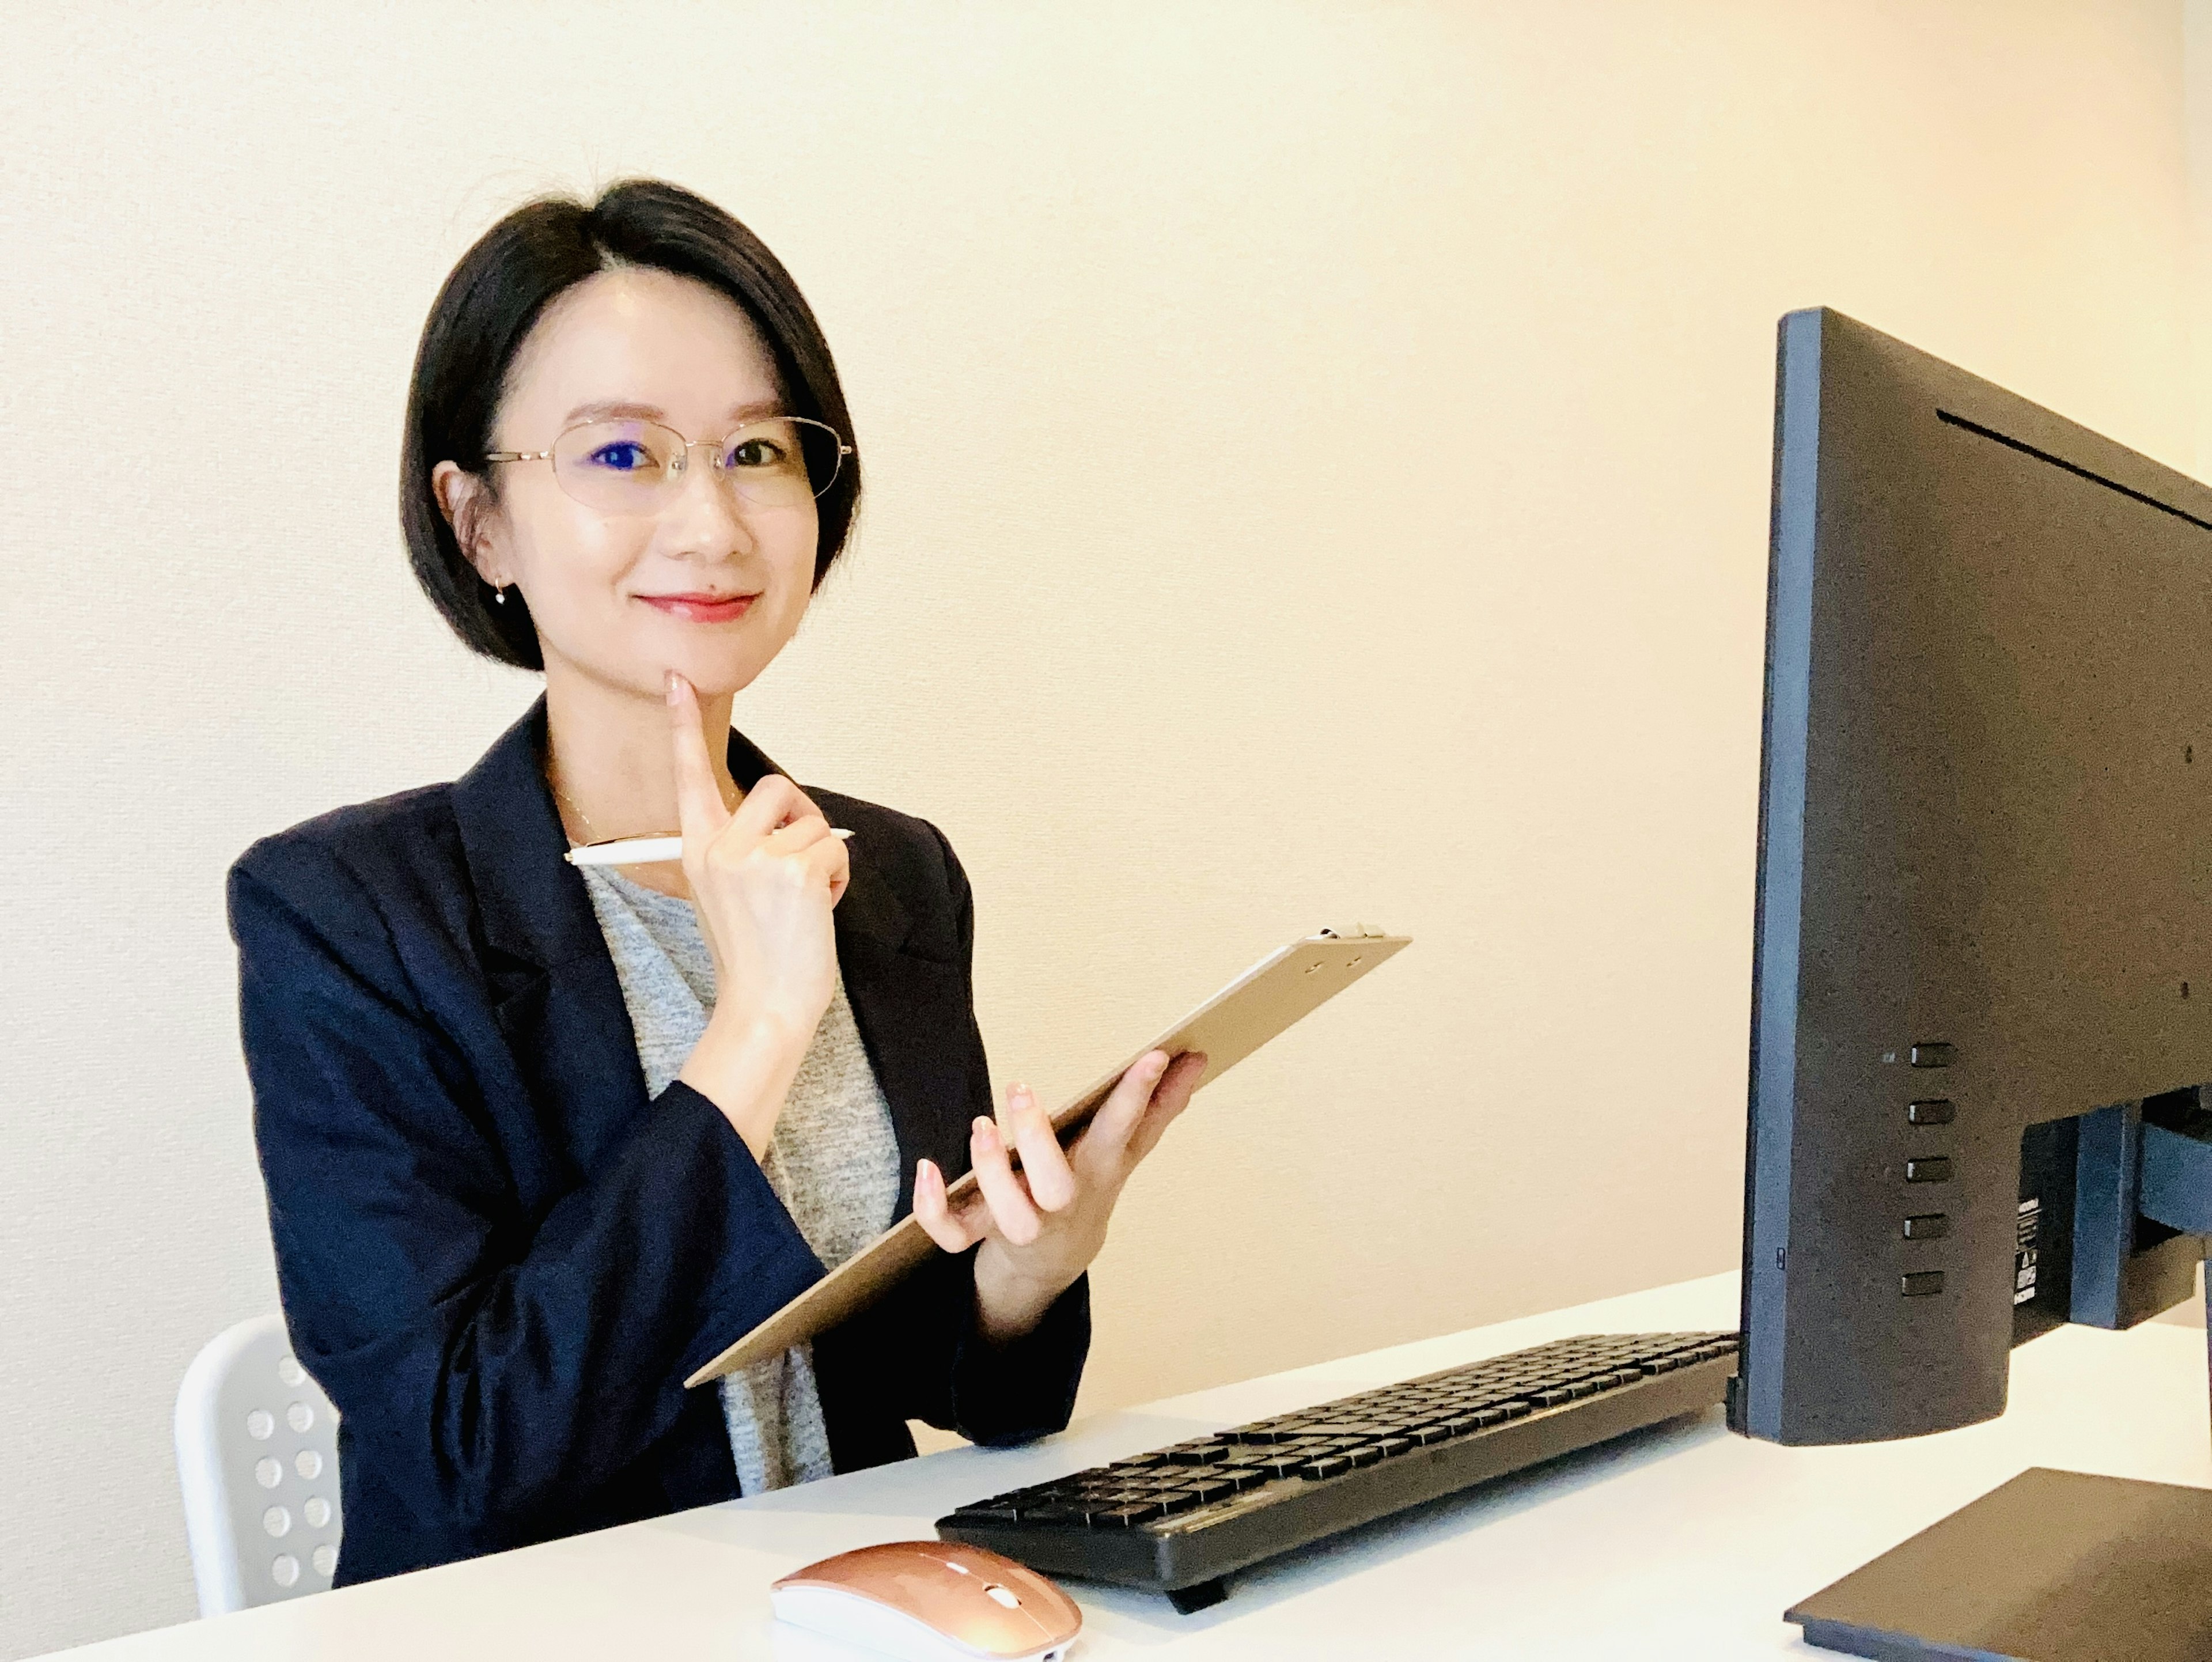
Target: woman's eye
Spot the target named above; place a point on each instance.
(626, 457)
(755, 453)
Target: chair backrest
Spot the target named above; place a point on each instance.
(258, 1460)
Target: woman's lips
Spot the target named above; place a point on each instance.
(702, 608)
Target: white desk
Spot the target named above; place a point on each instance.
(1685, 1543)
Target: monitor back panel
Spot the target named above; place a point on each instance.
(1985, 861)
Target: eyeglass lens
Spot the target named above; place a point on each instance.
(631, 467)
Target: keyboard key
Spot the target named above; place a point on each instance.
(1327, 1466)
(988, 1514)
(1127, 1516)
(1053, 1514)
(1203, 1455)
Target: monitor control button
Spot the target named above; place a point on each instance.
(1932, 1226)
(1934, 1169)
(1939, 1112)
(1920, 1285)
(1931, 1056)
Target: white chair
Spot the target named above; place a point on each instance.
(258, 1460)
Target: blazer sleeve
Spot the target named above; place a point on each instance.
(492, 1365)
(992, 1394)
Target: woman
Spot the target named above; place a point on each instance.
(540, 1139)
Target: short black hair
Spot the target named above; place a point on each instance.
(486, 309)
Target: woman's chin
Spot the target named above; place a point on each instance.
(710, 679)
(641, 667)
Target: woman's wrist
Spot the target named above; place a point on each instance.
(744, 1063)
(1009, 1302)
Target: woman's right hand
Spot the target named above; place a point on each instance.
(764, 881)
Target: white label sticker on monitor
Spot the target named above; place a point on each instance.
(2023, 1252)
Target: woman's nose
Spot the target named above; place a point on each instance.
(702, 504)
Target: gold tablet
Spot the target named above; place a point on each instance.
(1270, 996)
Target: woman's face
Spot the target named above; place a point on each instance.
(622, 599)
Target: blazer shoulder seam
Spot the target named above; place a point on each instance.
(314, 840)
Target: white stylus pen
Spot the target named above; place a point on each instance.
(641, 850)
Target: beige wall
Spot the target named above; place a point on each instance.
(2197, 107)
(1319, 471)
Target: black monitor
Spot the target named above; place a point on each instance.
(1982, 982)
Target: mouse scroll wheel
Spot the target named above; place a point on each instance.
(1003, 1595)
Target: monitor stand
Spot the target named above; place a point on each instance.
(2060, 1566)
(2053, 1567)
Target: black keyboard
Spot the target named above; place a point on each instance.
(1179, 1519)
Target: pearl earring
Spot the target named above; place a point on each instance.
(498, 597)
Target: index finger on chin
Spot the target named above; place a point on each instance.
(700, 813)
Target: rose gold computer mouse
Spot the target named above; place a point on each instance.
(931, 1601)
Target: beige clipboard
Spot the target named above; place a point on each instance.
(1272, 994)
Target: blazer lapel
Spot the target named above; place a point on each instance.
(552, 981)
(915, 1023)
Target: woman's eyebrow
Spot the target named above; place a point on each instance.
(608, 409)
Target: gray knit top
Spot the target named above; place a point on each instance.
(834, 1160)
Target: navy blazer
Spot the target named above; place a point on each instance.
(496, 1255)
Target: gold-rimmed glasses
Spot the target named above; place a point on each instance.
(630, 466)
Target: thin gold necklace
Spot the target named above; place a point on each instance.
(591, 831)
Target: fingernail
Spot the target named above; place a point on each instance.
(668, 686)
(985, 1130)
(1020, 1097)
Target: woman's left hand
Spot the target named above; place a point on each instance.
(1040, 1227)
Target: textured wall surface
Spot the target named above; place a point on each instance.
(2197, 109)
(1319, 472)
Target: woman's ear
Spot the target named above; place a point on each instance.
(465, 500)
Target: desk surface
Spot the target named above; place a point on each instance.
(1682, 1542)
